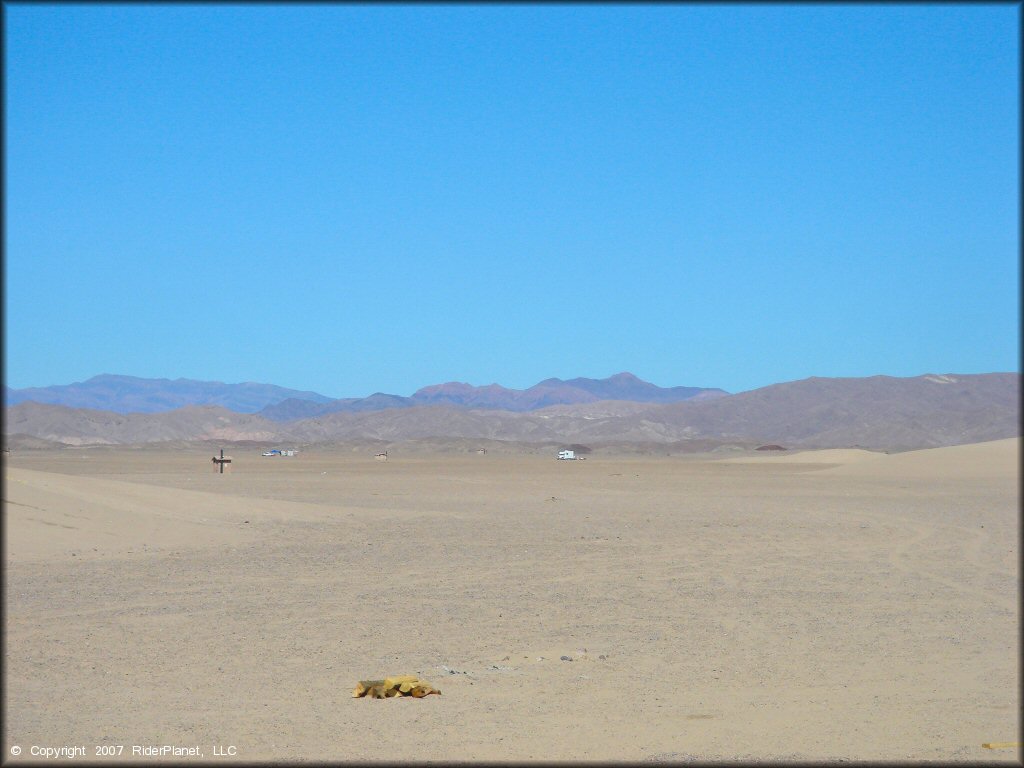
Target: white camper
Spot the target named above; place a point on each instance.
(567, 456)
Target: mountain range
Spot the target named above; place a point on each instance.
(878, 412)
(621, 386)
(129, 394)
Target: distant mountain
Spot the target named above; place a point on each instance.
(622, 386)
(130, 394)
(626, 386)
(18, 442)
(292, 408)
(885, 412)
(878, 412)
(82, 426)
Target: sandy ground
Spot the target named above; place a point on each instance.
(810, 607)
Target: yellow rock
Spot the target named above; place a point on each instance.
(389, 687)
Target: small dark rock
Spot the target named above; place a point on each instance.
(566, 658)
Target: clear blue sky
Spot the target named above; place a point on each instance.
(353, 199)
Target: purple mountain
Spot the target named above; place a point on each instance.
(622, 386)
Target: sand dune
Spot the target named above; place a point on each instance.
(826, 456)
(993, 459)
(50, 514)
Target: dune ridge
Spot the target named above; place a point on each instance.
(991, 459)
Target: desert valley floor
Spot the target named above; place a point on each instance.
(816, 606)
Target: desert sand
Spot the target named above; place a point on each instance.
(818, 606)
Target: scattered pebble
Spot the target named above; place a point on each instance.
(566, 658)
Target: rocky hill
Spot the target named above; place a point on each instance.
(878, 411)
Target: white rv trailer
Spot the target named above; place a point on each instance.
(567, 456)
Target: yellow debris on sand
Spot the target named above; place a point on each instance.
(389, 687)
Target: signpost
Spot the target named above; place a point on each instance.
(218, 464)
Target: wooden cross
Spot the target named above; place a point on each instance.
(221, 461)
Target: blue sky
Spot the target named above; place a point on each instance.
(352, 199)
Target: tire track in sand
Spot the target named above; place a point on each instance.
(921, 533)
